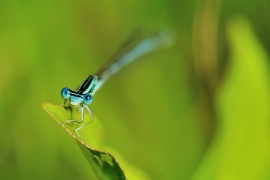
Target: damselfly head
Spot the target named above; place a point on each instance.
(75, 101)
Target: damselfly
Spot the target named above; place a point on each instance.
(132, 49)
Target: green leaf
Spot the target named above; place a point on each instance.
(103, 163)
(240, 149)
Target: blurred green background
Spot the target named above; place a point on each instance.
(198, 110)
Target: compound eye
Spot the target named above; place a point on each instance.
(65, 93)
(87, 99)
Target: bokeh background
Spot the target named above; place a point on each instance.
(197, 110)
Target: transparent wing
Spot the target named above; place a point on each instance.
(135, 47)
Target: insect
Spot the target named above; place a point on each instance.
(129, 51)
